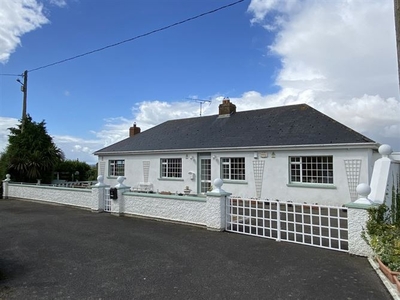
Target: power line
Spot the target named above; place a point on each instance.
(138, 36)
(5, 74)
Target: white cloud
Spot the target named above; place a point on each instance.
(261, 8)
(114, 129)
(59, 3)
(146, 114)
(78, 148)
(338, 56)
(335, 46)
(152, 113)
(18, 17)
(6, 123)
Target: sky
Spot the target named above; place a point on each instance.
(338, 56)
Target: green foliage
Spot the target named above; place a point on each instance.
(3, 165)
(74, 170)
(31, 154)
(384, 236)
(396, 201)
(92, 174)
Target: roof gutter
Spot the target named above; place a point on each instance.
(341, 146)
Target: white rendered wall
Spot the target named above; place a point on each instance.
(67, 196)
(275, 183)
(134, 172)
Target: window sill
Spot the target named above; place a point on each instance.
(170, 179)
(234, 181)
(312, 185)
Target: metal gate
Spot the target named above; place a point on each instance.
(107, 200)
(314, 225)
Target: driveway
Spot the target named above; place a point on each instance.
(58, 252)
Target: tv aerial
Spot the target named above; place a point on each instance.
(201, 102)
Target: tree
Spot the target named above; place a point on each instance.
(73, 170)
(31, 154)
(92, 174)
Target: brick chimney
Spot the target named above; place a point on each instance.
(134, 130)
(226, 108)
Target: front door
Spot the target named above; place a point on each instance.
(205, 173)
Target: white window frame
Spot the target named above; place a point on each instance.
(116, 167)
(233, 168)
(311, 169)
(171, 168)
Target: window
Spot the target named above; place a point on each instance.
(116, 168)
(311, 169)
(233, 168)
(171, 168)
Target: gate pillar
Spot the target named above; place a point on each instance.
(98, 194)
(118, 205)
(216, 207)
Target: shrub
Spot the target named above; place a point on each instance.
(384, 236)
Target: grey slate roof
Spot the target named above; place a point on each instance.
(279, 126)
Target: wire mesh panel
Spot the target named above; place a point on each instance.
(314, 225)
(107, 200)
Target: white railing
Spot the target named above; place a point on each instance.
(310, 224)
(107, 200)
(74, 184)
(68, 184)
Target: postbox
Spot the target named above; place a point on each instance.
(113, 193)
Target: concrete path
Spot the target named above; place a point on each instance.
(58, 252)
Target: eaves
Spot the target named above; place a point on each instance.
(341, 146)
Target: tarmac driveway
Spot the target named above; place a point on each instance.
(58, 252)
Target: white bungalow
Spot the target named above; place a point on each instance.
(287, 153)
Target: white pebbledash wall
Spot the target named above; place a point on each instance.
(67, 196)
(186, 210)
(204, 211)
(275, 174)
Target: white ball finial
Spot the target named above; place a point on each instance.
(218, 182)
(363, 191)
(385, 150)
(8, 177)
(120, 180)
(100, 180)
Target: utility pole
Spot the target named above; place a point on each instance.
(24, 90)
